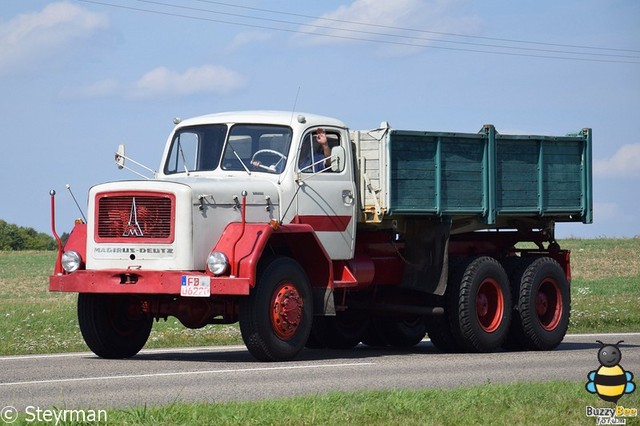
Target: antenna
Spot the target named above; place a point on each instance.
(76, 201)
(295, 103)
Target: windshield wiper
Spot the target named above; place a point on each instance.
(184, 160)
(239, 159)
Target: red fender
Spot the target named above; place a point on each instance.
(244, 245)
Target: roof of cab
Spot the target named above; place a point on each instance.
(268, 117)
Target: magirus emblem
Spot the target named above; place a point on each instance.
(133, 227)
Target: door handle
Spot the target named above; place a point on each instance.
(347, 197)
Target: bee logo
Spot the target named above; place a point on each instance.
(610, 381)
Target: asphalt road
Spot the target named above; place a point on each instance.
(214, 374)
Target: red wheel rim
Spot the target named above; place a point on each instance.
(286, 311)
(549, 304)
(489, 305)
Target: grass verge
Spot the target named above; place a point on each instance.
(553, 403)
(605, 297)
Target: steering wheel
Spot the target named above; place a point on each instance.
(272, 167)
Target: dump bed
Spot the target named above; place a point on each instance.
(487, 177)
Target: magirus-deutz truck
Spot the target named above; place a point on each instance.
(309, 234)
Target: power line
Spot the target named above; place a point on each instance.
(374, 33)
(378, 25)
(383, 41)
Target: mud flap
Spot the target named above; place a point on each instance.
(323, 303)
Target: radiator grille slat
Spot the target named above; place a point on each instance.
(134, 217)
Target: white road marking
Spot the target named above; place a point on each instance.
(187, 373)
(143, 352)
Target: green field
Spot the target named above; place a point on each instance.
(605, 298)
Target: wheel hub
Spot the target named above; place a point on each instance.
(286, 312)
(482, 305)
(542, 304)
(549, 305)
(489, 305)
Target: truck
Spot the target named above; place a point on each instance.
(311, 235)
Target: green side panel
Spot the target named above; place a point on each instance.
(539, 174)
(517, 169)
(561, 176)
(489, 174)
(462, 185)
(413, 174)
(436, 173)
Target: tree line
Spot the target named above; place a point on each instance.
(14, 237)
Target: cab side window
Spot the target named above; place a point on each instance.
(315, 151)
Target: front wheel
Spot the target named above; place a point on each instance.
(112, 326)
(276, 318)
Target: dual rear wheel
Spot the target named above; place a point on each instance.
(542, 305)
(487, 308)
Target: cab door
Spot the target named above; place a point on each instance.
(326, 199)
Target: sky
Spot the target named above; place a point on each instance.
(78, 78)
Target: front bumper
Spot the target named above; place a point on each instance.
(140, 282)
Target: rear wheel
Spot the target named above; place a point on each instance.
(275, 319)
(480, 306)
(372, 335)
(402, 333)
(342, 331)
(543, 306)
(439, 331)
(112, 326)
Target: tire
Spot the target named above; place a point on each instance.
(276, 318)
(480, 306)
(313, 342)
(342, 331)
(439, 332)
(112, 326)
(372, 335)
(515, 267)
(403, 333)
(439, 327)
(541, 317)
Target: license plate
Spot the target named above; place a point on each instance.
(195, 286)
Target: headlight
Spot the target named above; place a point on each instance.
(71, 261)
(217, 263)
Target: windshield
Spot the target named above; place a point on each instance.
(196, 148)
(250, 147)
(257, 147)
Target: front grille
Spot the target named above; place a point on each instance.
(139, 217)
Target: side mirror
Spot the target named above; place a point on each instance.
(120, 157)
(338, 159)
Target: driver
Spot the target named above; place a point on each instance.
(322, 153)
